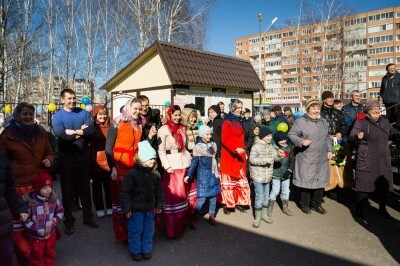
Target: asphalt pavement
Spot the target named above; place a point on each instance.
(336, 238)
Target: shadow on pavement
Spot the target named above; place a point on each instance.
(221, 245)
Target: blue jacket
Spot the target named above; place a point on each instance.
(201, 166)
(350, 115)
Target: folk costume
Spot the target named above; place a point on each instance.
(121, 146)
(235, 189)
(173, 154)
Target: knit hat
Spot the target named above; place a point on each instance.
(310, 102)
(257, 118)
(216, 109)
(265, 112)
(370, 105)
(279, 135)
(204, 129)
(246, 110)
(41, 180)
(264, 131)
(326, 94)
(146, 152)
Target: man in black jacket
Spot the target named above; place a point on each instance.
(390, 94)
(337, 127)
(150, 117)
(10, 203)
(335, 118)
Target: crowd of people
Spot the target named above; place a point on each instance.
(143, 165)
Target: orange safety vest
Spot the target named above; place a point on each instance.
(126, 146)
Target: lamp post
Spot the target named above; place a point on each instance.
(259, 50)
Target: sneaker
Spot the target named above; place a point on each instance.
(147, 256)
(109, 212)
(137, 257)
(100, 214)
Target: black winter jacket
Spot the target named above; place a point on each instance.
(216, 126)
(141, 190)
(10, 201)
(335, 119)
(390, 88)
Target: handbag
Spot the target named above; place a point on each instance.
(101, 160)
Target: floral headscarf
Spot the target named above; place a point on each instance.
(125, 115)
(177, 130)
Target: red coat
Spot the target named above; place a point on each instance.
(232, 137)
(26, 159)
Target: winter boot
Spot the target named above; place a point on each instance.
(264, 215)
(285, 208)
(211, 220)
(195, 221)
(257, 219)
(270, 207)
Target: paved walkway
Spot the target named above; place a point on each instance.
(332, 239)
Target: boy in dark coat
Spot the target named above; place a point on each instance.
(10, 203)
(141, 192)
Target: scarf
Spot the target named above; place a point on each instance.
(177, 130)
(27, 133)
(207, 150)
(233, 118)
(126, 117)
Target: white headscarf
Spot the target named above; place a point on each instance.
(125, 115)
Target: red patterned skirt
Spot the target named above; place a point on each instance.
(234, 191)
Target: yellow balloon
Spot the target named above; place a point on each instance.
(52, 107)
(83, 106)
(7, 109)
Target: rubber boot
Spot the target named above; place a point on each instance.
(270, 207)
(257, 220)
(264, 215)
(285, 208)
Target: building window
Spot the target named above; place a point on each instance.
(373, 95)
(199, 102)
(375, 84)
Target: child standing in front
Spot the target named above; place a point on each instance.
(141, 192)
(205, 167)
(262, 157)
(281, 176)
(45, 211)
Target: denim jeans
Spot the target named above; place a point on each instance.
(140, 232)
(211, 208)
(276, 187)
(262, 194)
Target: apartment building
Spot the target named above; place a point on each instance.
(343, 55)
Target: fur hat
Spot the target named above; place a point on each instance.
(41, 180)
(146, 152)
(326, 94)
(264, 131)
(370, 105)
(310, 102)
(265, 112)
(279, 135)
(204, 129)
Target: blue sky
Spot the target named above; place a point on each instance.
(233, 19)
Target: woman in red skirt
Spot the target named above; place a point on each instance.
(235, 189)
(175, 160)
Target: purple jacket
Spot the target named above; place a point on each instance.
(44, 215)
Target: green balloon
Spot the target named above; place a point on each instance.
(282, 127)
(167, 104)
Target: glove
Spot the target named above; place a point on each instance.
(287, 174)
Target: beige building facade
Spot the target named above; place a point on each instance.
(343, 55)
